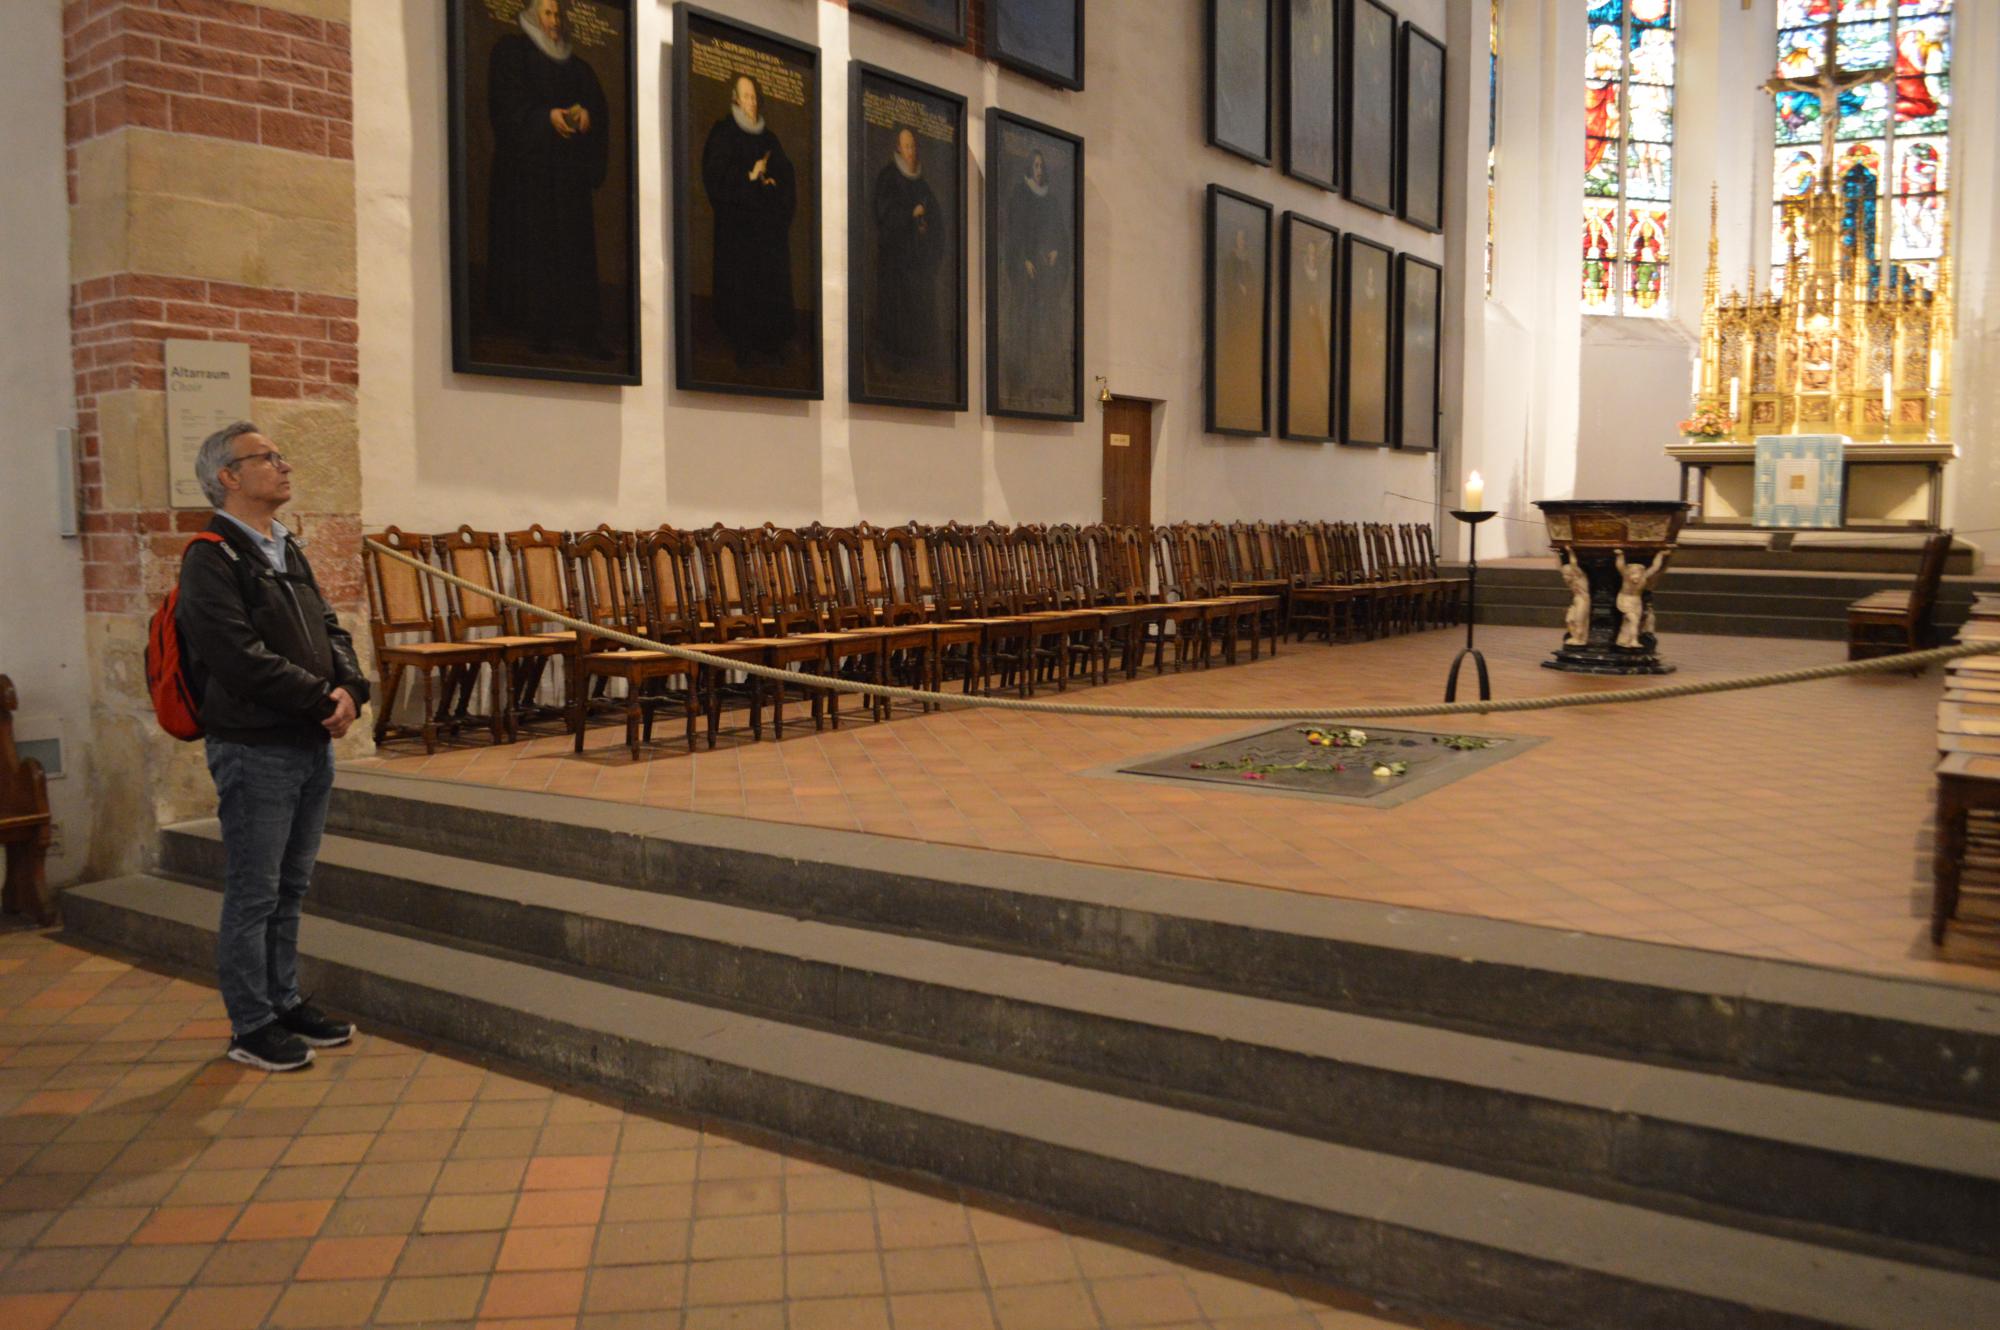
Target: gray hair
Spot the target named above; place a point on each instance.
(218, 451)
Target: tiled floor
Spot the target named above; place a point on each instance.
(146, 1183)
(1789, 822)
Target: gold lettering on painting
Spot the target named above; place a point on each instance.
(721, 61)
(895, 112)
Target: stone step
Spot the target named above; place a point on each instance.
(1906, 1182)
(1902, 1041)
(1416, 1232)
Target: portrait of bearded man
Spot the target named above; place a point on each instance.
(910, 242)
(754, 193)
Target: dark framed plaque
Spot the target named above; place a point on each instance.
(1370, 121)
(745, 184)
(1420, 129)
(544, 190)
(942, 19)
(1366, 278)
(1239, 77)
(1312, 110)
(1237, 350)
(1419, 312)
(1306, 328)
(1041, 38)
(1034, 270)
(905, 241)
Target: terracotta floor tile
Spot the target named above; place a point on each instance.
(240, 1308)
(932, 1269)
(154, 1267)
(192, 1223)
(92, 1227)
(341, 1303)
(634, 1288)
(565, 1173)
(1061, 1305)
(351, 1258)
(643, 1242)
(549, 1293)
(829, 1230)
(835, 1275)
(941, 1311)
(280, 1219)
(547, 1248)
(121, 1309)
(33, 1311)
(740, 1235)
(740, 1279)
(541, 1209)
(254, 1262)
(459, 1214)
(859, 1313)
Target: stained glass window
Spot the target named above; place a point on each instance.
(1628, 156)
(1492, 130)
(1891, 154)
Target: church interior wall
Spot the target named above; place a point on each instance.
(440, 448)
(41, 598)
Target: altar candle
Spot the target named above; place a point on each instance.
(1694, 388)
(1733, 385)
(1475, 492)
(1888, 401)
(1934, 370)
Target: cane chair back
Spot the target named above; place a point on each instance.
(399, 596)
(601, 568)
(908, 579)
(474, 556)
(787, 576)
(670, 599)
(539, 577)
(729, 572)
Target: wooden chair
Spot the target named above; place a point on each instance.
(855, 653)
(26, 828)
(1968, 831)
(676, 612)
(602, 560)
(400, 606)
(473, 617)
(1894, 622)
(535, 558)
(912, 573)
(1453, 588)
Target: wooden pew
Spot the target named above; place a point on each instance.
(25, 828)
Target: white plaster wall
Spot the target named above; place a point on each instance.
(439, 448)
(41, 595)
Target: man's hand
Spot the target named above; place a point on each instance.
(1029, 264)
(344, 712)
(560, 119)
(579, 118)
(761, 165)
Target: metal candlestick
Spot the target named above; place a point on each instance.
(1472, 519)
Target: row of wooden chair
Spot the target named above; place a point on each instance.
(915, 604)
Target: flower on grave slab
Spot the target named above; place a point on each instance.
(1391, 770)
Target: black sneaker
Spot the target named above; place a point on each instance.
(270, 1048)
(315, 1027)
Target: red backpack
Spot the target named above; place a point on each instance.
(170, 676)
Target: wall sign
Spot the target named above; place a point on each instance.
(208, 386)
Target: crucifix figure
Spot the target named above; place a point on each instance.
(1827, 86)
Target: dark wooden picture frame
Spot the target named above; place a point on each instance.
(1419, 340)
(906, 325)
(1229, 309)
(1307, 406)
(1421, 71)
(560, 210)
(1028, 375)
(1312, 91)
(1230, 98)
(1368, 122)
(1014, 29)
(755, 350)
(1367, 404)
(919, 16)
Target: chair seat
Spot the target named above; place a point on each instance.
(412, 652)
(1898, 601)
(523, 642)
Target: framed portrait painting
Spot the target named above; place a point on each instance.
(1420, 129)
(1238, 344)
(1312, 112)
(1419, 308)
(1034, 270)
(1041, 38)
(1366, 276)
(906, 241)
(1239, 77)
(745, 173)
(942, 19)
(1370, 122)
(1306, 328)
(544, 189)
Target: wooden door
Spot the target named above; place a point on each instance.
(1128, 462)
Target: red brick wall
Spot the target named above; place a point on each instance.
(215, 68)
(218, 69)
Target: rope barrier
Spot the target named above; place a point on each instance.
(1915, 660)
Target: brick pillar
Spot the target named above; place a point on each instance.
(211, 190)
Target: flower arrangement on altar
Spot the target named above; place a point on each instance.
(1708, 423)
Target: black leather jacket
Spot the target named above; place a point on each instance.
(267, 652)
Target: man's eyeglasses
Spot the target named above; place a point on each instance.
(274, 458)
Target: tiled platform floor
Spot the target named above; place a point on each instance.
(146, 1183)
(1788, 822)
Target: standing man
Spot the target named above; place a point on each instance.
(754, 191)
(277, 682)
(909, 245)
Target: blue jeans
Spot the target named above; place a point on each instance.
(273, 807)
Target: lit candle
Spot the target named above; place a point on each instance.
(1734, 383)
(1475, 492)
(1935, 378)
(1694, 387)
(1888, 401)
